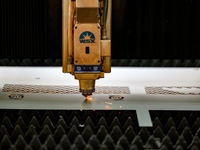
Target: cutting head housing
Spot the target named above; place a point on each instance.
(86, 44)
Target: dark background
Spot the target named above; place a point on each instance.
(143, 31)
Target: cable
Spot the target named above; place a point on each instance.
(105, 13)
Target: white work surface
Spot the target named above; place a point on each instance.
(135, 78)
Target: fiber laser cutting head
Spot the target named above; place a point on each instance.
(86, 41)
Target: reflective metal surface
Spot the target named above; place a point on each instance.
(134, 78)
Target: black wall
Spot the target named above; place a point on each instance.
(141, 29)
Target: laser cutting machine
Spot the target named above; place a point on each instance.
(86, 41)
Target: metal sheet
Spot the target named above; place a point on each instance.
(134, 78)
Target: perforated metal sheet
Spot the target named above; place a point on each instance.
(59, 89)
(173, 90)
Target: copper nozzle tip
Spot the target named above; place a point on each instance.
(87, 95)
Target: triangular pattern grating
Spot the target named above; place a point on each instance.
(81, 130)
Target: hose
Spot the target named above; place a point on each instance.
(105, 13)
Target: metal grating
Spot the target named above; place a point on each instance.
(59, 89)
(93, 130)
(173, 90)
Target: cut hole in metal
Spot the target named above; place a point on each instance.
(16, 96)
(173, 90)
(56, 89)
(116, 97)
